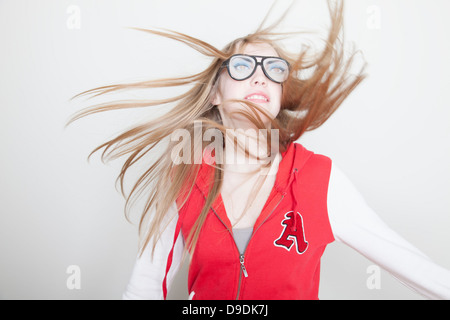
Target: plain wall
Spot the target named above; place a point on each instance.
(391, 136)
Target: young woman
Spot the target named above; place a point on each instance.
(254, 208)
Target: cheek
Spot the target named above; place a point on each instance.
(276, 101)
(229, 88)
(224, 90)
(275, 109)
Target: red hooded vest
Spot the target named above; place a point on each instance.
(282, 258)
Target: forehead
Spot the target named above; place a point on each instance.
(260, 49)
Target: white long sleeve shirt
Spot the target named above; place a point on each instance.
(353, 223)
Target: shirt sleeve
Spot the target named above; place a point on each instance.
(149, 271)
(355, 224)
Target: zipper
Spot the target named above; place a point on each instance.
(241, 256)
(243, 270)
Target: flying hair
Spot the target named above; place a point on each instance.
(317, 85)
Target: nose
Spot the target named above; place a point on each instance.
(259, 78)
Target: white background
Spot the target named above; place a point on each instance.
(391, 136)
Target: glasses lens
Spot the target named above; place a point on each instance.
(241, 67)
(276, 69)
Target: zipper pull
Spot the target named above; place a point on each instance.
(244, 271)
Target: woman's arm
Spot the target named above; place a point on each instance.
(148, 273)
(355, 224)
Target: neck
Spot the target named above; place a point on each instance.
(249, 150)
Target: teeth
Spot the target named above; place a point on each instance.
(257, 97)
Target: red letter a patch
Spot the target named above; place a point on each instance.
(293, 233)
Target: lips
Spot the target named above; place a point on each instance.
(258, 97)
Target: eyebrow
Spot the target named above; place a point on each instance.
(274, 61)
(247, 58)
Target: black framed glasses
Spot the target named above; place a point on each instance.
(241, 67)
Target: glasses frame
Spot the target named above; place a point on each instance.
(226, 63)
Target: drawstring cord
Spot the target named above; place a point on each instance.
(291, 184)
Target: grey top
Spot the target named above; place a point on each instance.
(241, 237)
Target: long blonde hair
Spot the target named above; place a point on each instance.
(308, 100)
